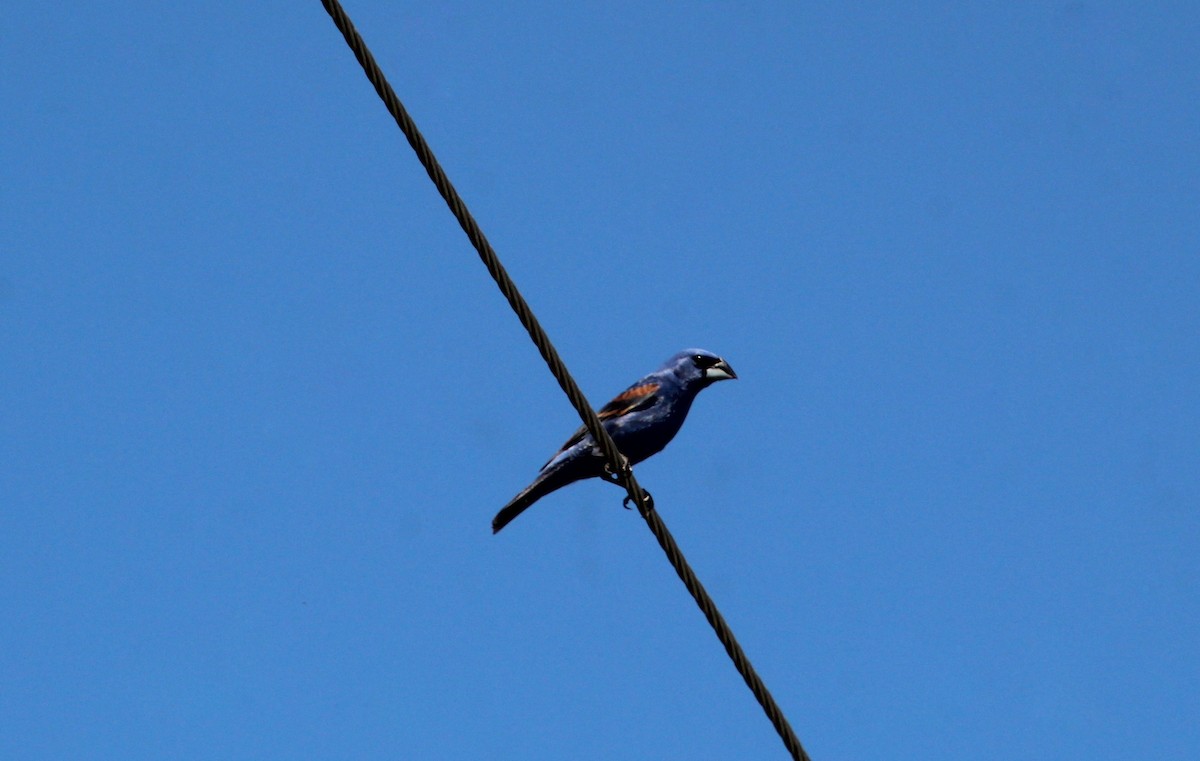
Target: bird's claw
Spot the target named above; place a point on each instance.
(613, 477)
(648, 501)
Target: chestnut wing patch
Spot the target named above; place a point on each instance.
(636, 398)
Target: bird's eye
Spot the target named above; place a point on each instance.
(704, 362)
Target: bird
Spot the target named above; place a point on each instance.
(642, 420)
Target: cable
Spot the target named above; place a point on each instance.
(617, 463)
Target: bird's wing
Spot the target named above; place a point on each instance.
(637, 397)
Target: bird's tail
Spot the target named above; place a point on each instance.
(542, 485)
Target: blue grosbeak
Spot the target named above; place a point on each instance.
(641, 420)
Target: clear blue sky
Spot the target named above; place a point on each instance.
(260, 400)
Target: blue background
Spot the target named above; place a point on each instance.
(260, 399)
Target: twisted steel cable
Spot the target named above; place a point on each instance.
(618, 465)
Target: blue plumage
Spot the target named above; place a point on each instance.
(641, 420)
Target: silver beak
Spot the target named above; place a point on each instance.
(719, 372)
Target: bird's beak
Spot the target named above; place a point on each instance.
(719, 372)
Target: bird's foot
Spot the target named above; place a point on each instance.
(647, 501)
(613, 477)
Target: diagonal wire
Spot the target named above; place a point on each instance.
(617, 463)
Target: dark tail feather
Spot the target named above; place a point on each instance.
(513, 509)
(542, 485)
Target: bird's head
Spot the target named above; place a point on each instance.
(699, 368)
